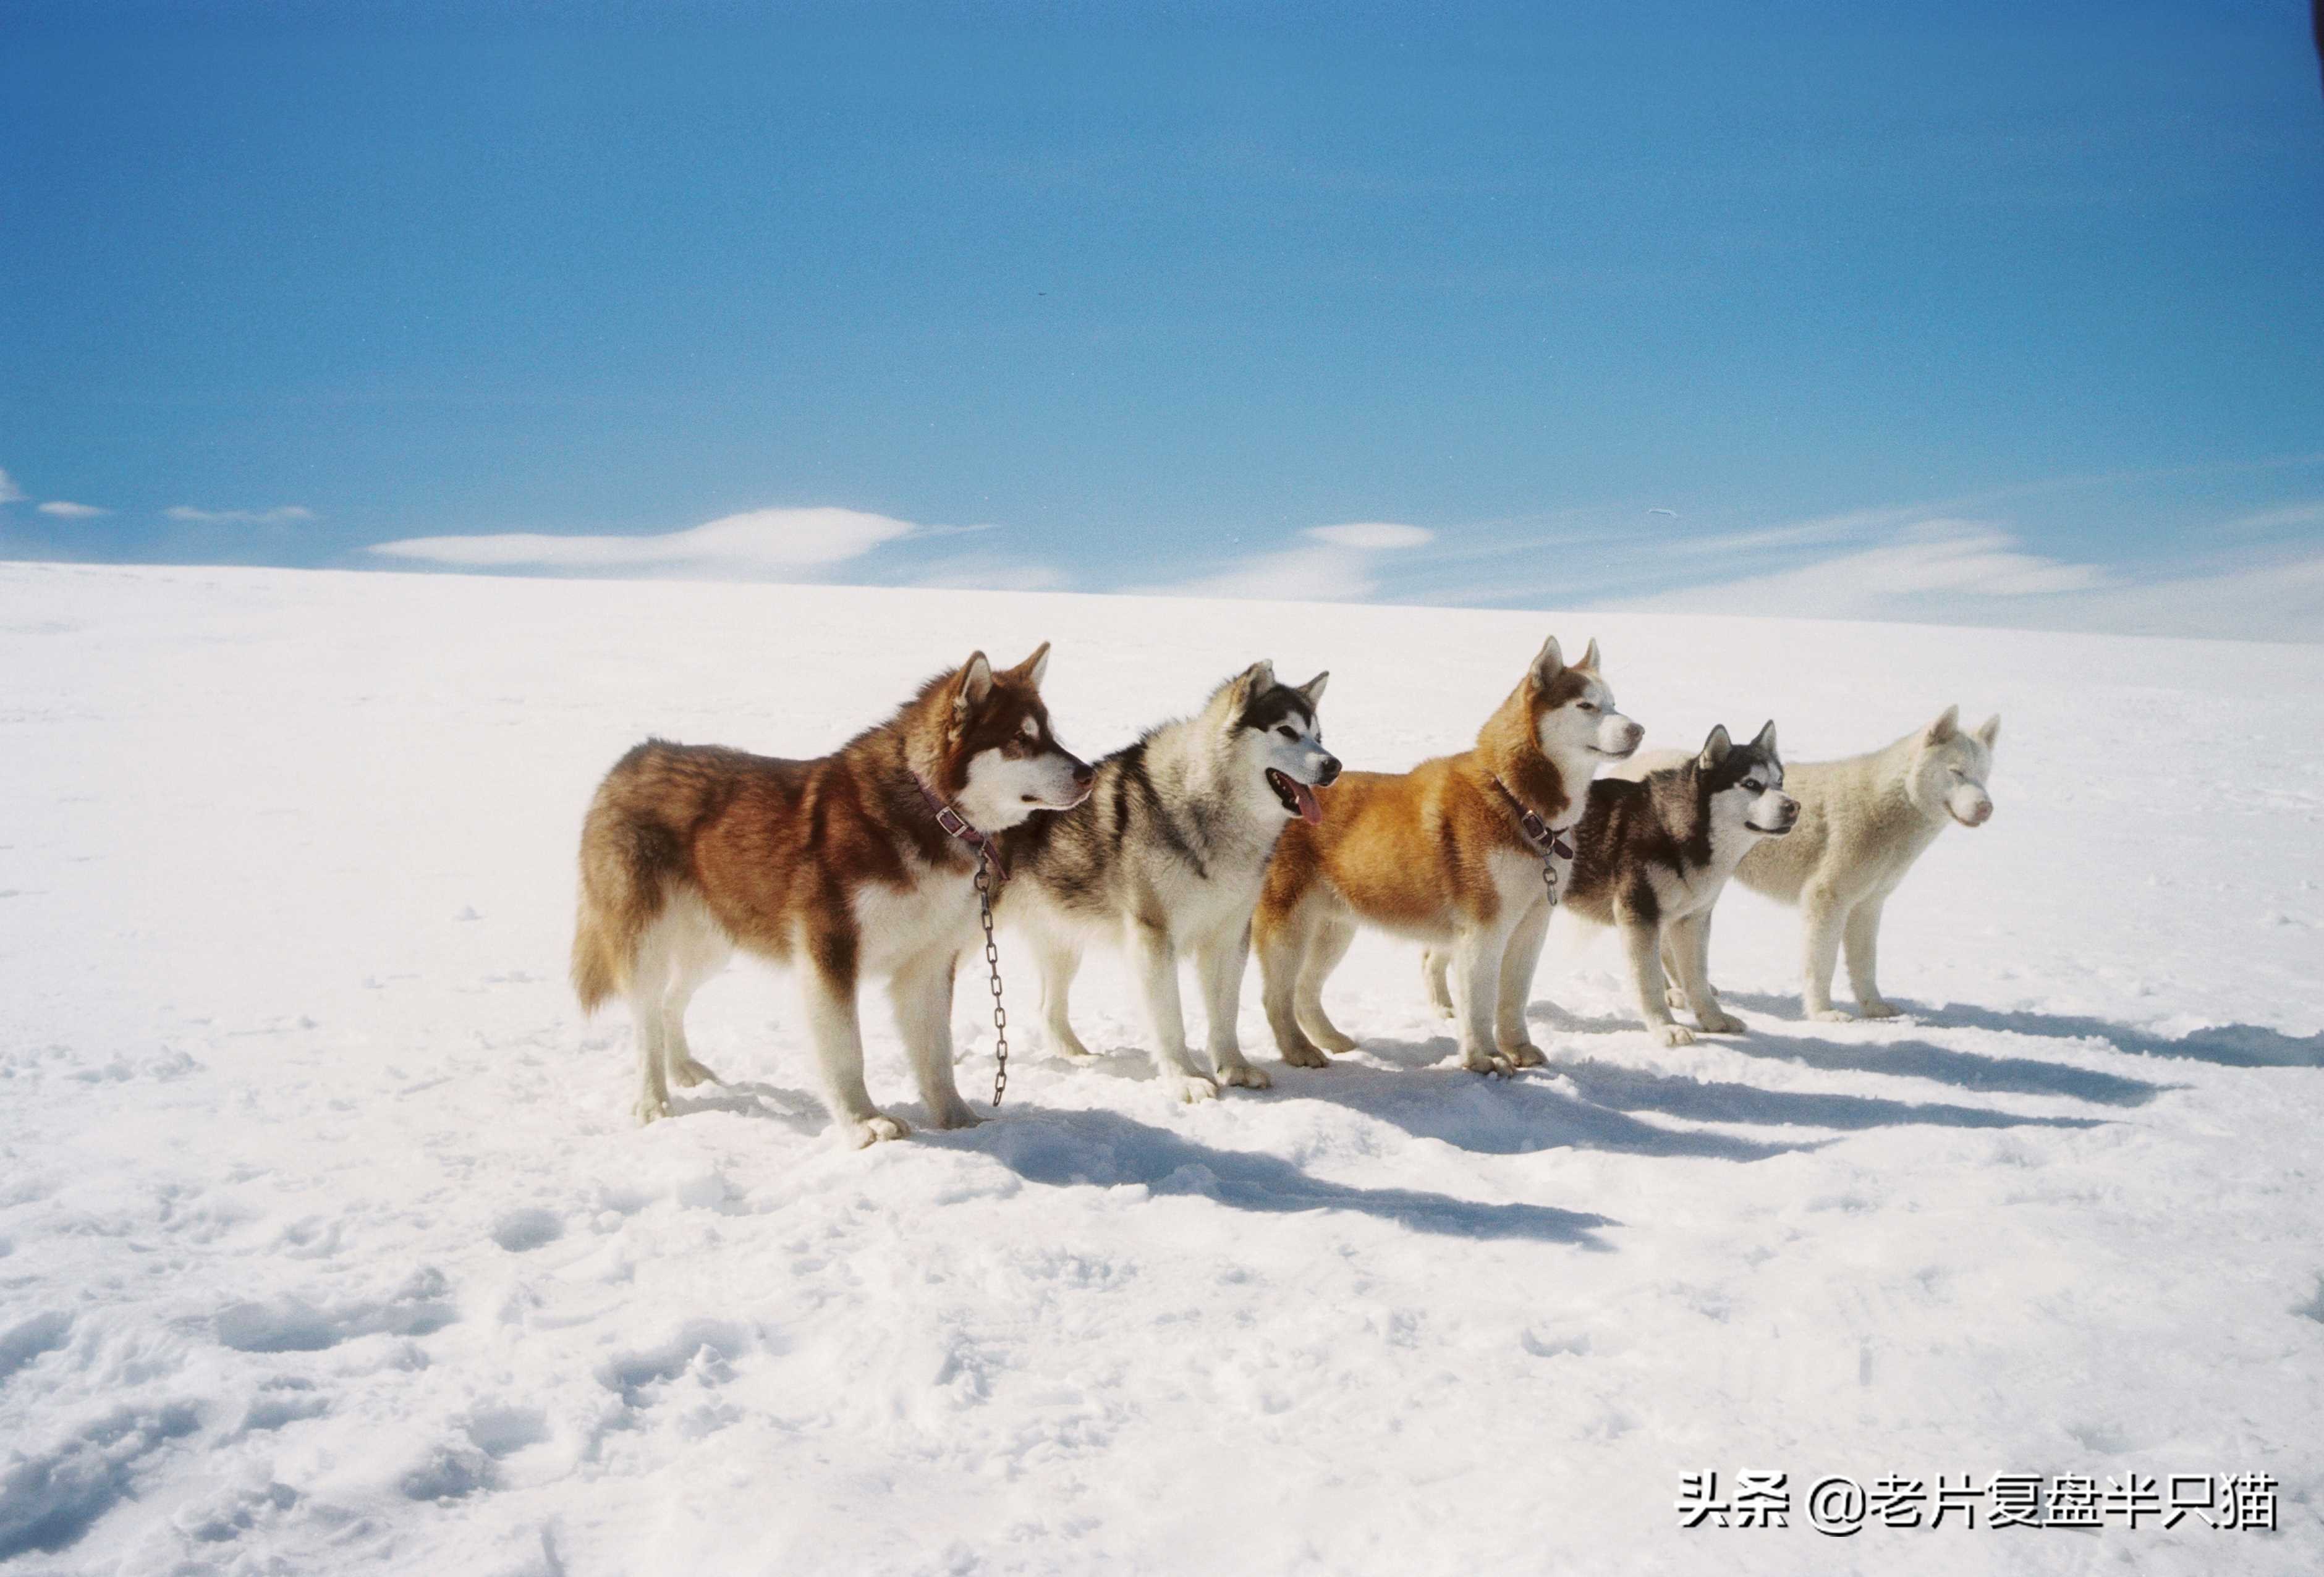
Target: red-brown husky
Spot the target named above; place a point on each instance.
(842, 865)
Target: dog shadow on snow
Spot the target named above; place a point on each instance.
(2235, 1045)
(1915, 1059)
(1107, 1149)
(1608, 1091)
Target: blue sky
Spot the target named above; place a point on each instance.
(1994, 313)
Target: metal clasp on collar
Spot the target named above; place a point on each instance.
(985, 847)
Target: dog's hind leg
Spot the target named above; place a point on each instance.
(1057, 962)
(1331, 942)
(1688, 940)
(1863, 942)
(827, 980)
(650, 975)
(1517, 966)
(1219, 962)
(1282, 953)
(1157, 972)
(922, 994)
(1819, 937)
(1435, 962)
(695, 956)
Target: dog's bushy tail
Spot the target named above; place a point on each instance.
(628, 854)
(597, 971)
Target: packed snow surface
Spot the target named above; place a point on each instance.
(328, 1244)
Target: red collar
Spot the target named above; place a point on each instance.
(986, 846)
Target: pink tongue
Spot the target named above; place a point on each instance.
(1310, 810)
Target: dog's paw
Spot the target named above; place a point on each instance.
(1832, 1016)
(1676, 999)
(1521, 1054)
(1304, 1057)
(1245, 1075)
(1331, 1039)
(651, 1109)
(1674, 1034)
(871, 1130)
(1493, 1065)
(1071, 1048)
(957, 1115)
(690, 1072)
(1877, 1008)
(1719, 1022)
(1193, 1089)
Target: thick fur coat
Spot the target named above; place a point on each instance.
(1165, 860)
(1440, 853)
(837, 865)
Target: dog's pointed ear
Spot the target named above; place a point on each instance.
(1989, 730)
(1257, 679)
(1549, 662)
(1947, 724)
(1715, 748)
(1314, 688)
(1031, 669)
(975, 685)
(1589, 658)
(1766, 740)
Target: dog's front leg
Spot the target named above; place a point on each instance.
(921, 992)
(828, 982)
(1823, 918)
(1519, 963)
(1157, 971)
(1863, 938)
(1688, 940)
(1644, 941)
(1478, 954)
(1219, 962)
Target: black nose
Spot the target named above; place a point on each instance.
(1330, 773)
(1083, 774)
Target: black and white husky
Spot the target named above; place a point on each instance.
(1165, 859)
(1653, 853)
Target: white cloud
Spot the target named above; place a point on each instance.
(2298, 514)
(1965, 572)
(1372, 536)
(64, 509)
(283, 515)
(9, 491)
(760, 543)
(1341, 567)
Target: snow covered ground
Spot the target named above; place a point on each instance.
(327, 1245)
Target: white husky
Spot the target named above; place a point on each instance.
(1863, 821)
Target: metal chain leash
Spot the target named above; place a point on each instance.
(992, 966)
(1549, 877)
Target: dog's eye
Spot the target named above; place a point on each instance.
(1286, 731)
(1956, 771)
(1589, 706)
(1754, 785)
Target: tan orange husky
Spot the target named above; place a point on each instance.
(859, 863)
(1449, 854)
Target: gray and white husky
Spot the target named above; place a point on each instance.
(1653, 852)
(1165, 858)
(1863, 821)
